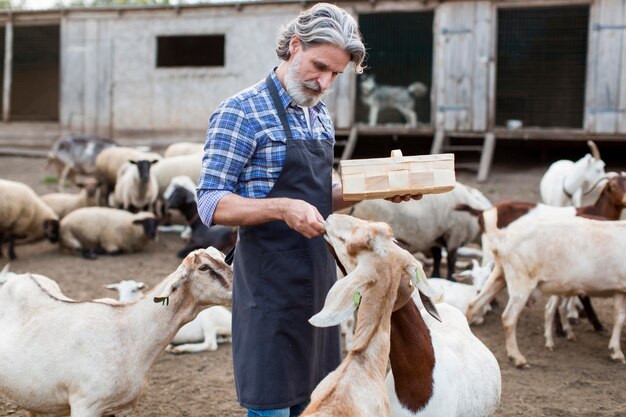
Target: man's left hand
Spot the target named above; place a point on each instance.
(406, 197)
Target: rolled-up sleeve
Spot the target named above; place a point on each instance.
(229, 146)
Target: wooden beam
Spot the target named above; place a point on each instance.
(8, 64)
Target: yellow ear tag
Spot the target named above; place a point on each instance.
(357, 298)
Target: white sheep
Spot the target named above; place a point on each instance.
(24, 215)
(211, 326)
(428, 223)
(64, 203)
(183, 148)
(168, 168)
(92, 358)
(565, 181)
(93, 230)
(136, 186)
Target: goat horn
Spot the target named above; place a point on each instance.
(594, 149)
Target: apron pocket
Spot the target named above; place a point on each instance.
(286, 280)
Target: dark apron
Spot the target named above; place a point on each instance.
(281, 279)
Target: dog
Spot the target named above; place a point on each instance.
(379, 97)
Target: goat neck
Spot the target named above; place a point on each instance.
(412, 357)
(576, 177)
(608, 205)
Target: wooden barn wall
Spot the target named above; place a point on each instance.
(463, 65)
(606, 76)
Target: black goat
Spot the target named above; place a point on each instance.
(222, 238)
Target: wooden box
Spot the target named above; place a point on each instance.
(365, 179)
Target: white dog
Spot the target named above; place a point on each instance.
(379, 97)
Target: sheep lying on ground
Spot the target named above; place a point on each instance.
(92, 358)
(381, 281)
(183, 148)
(64, 203)
(94, 230)
(136, 187)
(428, 224)
(211, 326)
(24, 215)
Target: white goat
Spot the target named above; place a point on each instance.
(211, 326)
(430, 222)
(530, 256)
(92, 358)
(565, 181)
(379, 282)
(5, 274)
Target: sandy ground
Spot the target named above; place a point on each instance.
(578, 379)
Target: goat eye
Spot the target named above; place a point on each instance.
(204, 267)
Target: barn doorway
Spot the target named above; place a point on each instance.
(35, 73)
(541, 68)
(400, 52)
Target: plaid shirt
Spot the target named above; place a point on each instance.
(245, 147)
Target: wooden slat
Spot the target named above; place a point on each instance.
(72, 75)
(621, 117)
(482, 59)
(465, 70)
(591, 85)
(8, 65)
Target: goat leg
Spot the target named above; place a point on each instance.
(591, 314)
(436, 253)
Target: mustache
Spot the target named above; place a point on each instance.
(312, 85)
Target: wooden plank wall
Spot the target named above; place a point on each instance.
(86, 76)
(463, 56)
(606, 76)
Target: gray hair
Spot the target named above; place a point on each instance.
(324, 23)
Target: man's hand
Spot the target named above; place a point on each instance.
(406, 197)
(303, 218)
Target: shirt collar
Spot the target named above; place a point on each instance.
(286, 99)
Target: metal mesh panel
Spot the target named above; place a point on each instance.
(400, 52)
(35, 85)
(542, 61)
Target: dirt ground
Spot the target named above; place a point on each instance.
(578, 379)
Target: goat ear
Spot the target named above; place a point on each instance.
(419, 280)
(342, 300)
(111, 286)
(140, 285)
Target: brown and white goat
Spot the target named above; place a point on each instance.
(381, 280)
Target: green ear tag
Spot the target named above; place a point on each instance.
(357, 298)
(166, 301)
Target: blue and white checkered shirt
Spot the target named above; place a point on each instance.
(245, 148)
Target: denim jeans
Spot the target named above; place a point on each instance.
(293, 411)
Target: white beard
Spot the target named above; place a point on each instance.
(296, 88)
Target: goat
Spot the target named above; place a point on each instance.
(564, 181)
(222, 237)
(381, 280)
(530, 254)
(92, 358)
(76, 154)
(428, 224)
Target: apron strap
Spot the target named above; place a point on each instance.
(282, 115)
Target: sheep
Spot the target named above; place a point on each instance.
(92, 358)
(23, 215)
(93, 230)
(136, 187)
(168, 168)
(427, 224)
(530, 255)
(64, 203)
(379, 282)
(437, 368)
(109, 162)
(183, 148)
(219, 236)
(564, 181)
(76, 154)
(198, 335)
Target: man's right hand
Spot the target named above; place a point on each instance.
(303, 217)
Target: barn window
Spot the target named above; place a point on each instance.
(400, 53)
(190, 51)
(542, 57)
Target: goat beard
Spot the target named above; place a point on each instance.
(295, 86)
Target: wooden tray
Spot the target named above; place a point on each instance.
(365, 179)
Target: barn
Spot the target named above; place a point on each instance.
(494, 70)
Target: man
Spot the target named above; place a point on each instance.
(267, 169)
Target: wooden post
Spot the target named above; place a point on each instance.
(440, 135)
(351, 143)
(487, 156)
(8, 64)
